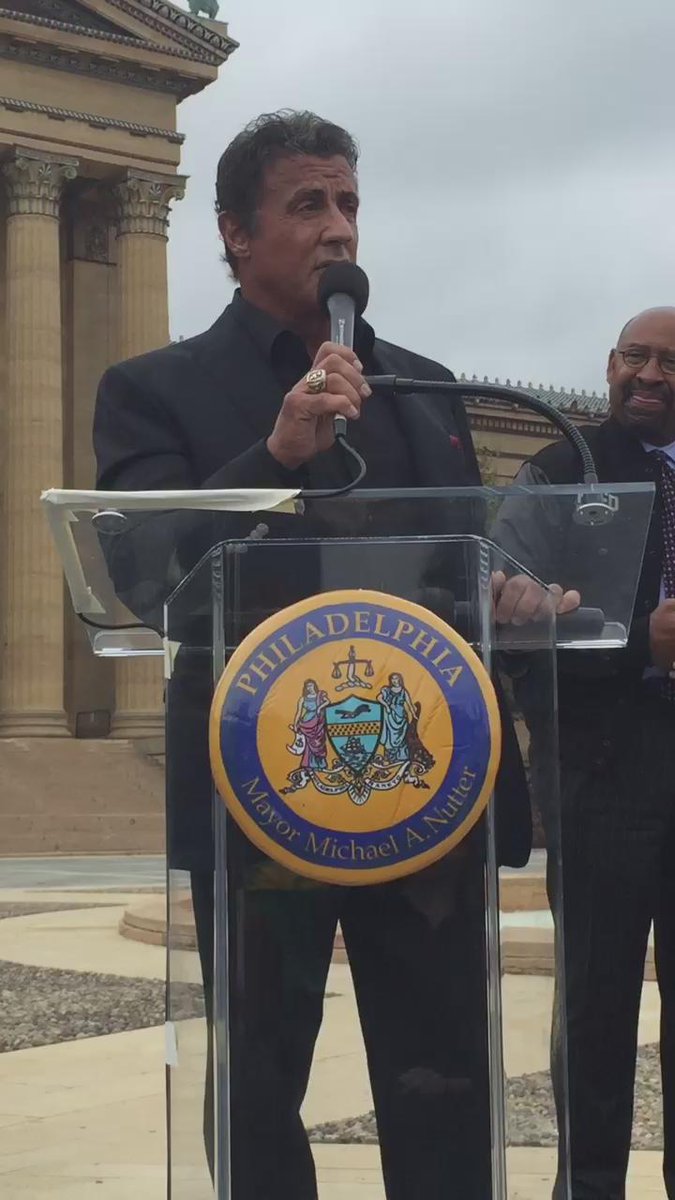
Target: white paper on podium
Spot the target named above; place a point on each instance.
(218, 500)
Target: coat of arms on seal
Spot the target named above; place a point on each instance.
(355, 737)
(358, 745)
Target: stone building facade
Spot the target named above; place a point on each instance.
(89, 159)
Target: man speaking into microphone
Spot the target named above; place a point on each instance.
(251, 403)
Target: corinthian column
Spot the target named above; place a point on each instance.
(31, 667)
(143, 207)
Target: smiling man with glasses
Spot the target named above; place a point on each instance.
(617, 754)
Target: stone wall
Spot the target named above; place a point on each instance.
(72, 796)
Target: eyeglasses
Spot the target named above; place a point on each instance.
(638, 356)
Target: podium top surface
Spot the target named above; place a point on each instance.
(284, 499)
(126, 553)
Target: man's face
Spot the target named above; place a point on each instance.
(306, 219)
(642, 393)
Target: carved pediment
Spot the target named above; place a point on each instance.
(161, 47)
(67, 12)
(155, 24)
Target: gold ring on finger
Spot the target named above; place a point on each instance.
(316, 380)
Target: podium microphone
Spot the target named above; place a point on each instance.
(593, 507)
(344, 291)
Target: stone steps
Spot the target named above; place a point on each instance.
(80, 796)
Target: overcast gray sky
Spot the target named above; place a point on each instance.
(517, 171)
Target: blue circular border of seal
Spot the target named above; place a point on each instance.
(241, 779)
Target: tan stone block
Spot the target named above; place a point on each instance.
(78, 796)
(31, 685)
(102, 97)
(143, 325)
(520, 893)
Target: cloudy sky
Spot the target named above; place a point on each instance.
(517, 172)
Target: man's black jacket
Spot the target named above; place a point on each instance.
(197, 414)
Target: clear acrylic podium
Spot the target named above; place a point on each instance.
(453, 980)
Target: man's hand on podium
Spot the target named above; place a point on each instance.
(662, 635)
(520, 599)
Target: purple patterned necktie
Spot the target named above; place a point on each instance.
(666, 487)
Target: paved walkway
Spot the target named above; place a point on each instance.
(130, 872)
(86, 1119)
(85, 873)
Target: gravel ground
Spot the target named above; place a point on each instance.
(40, 1006)
(531, 1116)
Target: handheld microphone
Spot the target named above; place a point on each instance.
(344, 291)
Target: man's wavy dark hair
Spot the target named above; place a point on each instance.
(272, 136)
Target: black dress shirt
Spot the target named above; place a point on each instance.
(377, 435)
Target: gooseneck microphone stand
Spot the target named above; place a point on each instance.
(592, 508)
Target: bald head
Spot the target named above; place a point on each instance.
(648, 315)
(641, 376)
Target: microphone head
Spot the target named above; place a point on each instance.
(347, 279)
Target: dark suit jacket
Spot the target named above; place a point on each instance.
(196, 414)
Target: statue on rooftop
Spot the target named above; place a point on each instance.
(208, 7)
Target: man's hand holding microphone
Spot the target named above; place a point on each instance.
(334, 387)
(317, 409)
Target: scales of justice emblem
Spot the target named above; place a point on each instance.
(357, 745)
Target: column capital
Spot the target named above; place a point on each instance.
(34, 182)
(143, 202)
